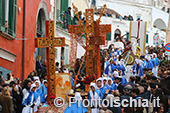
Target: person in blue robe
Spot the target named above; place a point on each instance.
(123, 69)
(105, 63)
(104, 81)
(43, 87)
(111, 54)
(119, 52)
(156, 59)
(74, 107)
(72, 81)
(111, 86)
(156, 63)
(39, 91)
(44, 83)
(94, 95)
(147, 63)
(100, 87)
(109, 69)
(141, 67)
(123, 81)
(135, 67)
(153, 61)
(32, 101)
(122, 66)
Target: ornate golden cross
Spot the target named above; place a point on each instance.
(50, 42)
(95, 36)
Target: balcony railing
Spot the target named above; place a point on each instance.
(63, 20)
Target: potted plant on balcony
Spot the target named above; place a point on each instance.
(59, 23)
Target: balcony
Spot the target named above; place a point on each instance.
(63, 20)
(6, 32)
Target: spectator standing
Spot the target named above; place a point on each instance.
(6, 101)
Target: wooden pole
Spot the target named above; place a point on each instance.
(98, 62)
(79, 69)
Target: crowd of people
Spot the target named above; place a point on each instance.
(149, 77)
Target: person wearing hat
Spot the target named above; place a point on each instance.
(94, 95)
(118, 84)
(32, 102)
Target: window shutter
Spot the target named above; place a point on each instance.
(12, 17)
(64, 5)
(109, 36)
(146, 38)
(2, 14)
(127, 36)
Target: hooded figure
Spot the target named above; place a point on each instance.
(136, 68)
(104, 81)
(156, 64)
(147, 63)
(32, 101)
(39, 91)
(141, 68)
(100, 88)
(94, 95)
(111, 86)
(76, 107)
(110, 67)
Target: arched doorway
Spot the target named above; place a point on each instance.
(42, 16)
(160, 24)
(40, 32)
(117, 35)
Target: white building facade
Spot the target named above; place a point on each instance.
(154, 12)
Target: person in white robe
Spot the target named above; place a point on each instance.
(93, 96)
(32, 102)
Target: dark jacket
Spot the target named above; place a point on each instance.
(131, 83)
(17, 97)
(38, 66)
(120, 88)
(167, 79)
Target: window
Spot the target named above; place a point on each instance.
(147, 38)
(64, 5)
(109, 36)
(138, 17)
(55, 53)
(4, 72)
(127, 36)
(8, 16)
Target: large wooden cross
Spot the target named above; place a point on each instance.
(95, 36)
(50, 42)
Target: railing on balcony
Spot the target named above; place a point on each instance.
(63, 20)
